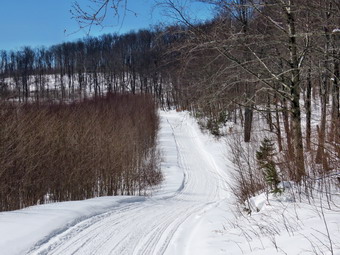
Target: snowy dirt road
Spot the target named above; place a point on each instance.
(190, 213)
(167, 222)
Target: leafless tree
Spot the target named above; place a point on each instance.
(95, 13)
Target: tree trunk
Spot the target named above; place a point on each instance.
(324, 99)
(335, 91)
(248, 119)
(308, 110)
(269, 114)
(287, 129)
(295, 97)
(278, 127)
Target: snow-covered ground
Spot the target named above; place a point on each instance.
(167, 221)
(191, 213)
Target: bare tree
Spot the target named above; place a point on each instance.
(97, 11)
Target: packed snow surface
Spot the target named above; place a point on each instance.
(165, 222)
(191, 213)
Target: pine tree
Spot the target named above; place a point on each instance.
(266, 163)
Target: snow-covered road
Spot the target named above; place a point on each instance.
(172, 221)
(191, 213)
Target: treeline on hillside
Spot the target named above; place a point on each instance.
(276, 59)
(90, 67)
(75, 151)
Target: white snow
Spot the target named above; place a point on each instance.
(21, 229)
(191, 213)
(286, 228)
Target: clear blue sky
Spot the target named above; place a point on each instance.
(43, 22)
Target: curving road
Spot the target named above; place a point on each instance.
(161, 224)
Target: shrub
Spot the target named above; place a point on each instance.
(266, 163)
(77, 151)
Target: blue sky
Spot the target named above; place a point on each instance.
(44, 22)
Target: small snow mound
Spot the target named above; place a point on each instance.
(258, 203)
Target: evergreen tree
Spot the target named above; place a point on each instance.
(266, 163)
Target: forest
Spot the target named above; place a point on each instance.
(258, 67)
(59, 152)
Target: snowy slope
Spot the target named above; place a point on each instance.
(191, 213)
(194, 184)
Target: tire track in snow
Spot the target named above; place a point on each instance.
(148, 227)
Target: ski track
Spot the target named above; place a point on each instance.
(148, 226)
